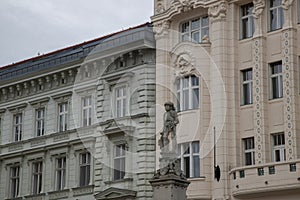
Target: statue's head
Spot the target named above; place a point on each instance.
(169, 106)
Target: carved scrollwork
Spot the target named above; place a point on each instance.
(218, 11)
(259, 6)
(159, 8)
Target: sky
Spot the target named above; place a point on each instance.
(32, 27)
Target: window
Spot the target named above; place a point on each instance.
(278, 147)
(119, 161)
(85, 168)
(14, 186)
(17, 127)
(120, 101)
(275, 15)
(189, 158)
(247, 22)
(62, 117)
(247, 87)
(194, 30)
(40, 122)
(87, 111)
(188, 93)
(249, 151)
(276, 80)
(37, 175)
(60, 174)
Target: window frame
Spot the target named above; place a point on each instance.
(279, 16)
(278, 147)
(246, 82)
(63, 116)
(14, 182)
(248, 151)
(88, 109)
(60, 173)
(279, 81)
(250, 25)
(186, 150)
(123, 99)
(17, 127)
(119, 171)
(201, 29)
(86, 166)
(37, 178)
(40, 121)
(181, 101)
(298, 11)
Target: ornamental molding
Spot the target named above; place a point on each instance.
(286, 4)
(161, 29)
(217, 12)
(259, 6)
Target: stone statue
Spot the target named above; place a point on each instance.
(169, 130)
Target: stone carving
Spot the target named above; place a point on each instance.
(286, 4)
(160, 8)
(170, 122)
(259, 6)
(161, 29)
(185, 5)
(171, 169)
(185, 64)
(217, 12)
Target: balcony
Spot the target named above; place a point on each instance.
(271, 177)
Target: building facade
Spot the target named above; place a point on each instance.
(79, 123)
(232, 68)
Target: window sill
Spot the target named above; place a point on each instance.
(271, 32)
(188, 111)
(246, 106)
(247, 39)
(277, 100)
(83, 190)
(119, 181)
(201, 178)
(33, 196)
(16, 198)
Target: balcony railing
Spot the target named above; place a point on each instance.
(251, 180)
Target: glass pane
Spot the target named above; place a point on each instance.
(205, 21)
(205, 32)
(195, 146)
(244, 27)
(195, 24)
(277, 155)
(186, 167)
(273, 18)
(185, 100)
(185, 27)
(196, 37)
(196, 166)
(195, 98)
(195, 81)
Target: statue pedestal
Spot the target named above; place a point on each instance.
(169, 183)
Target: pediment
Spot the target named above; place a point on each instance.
(116, 194)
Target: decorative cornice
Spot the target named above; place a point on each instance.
(259, 6)
(17, 108)
(185, 5)
(217, 12)
(40, 102)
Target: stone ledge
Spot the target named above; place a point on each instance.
(83, 190)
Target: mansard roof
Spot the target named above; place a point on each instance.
(74, 53)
